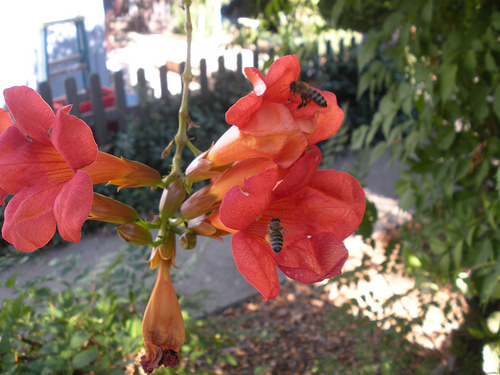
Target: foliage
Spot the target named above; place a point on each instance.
(90, 325)
(286, 26)
(356, 14)
(448, 53)
(85, 321)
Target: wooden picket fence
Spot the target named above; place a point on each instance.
(104, 118)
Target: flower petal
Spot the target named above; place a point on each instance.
(3, 195)
(239, 208)
(24, 163)
(255, 76)
(5, 120)
(300, 174)
(310, 260)
(73, 139)
(29, 219)
(273, 88)
(236, 174)
(329, 119)
(281, 73)
(270, 133)
(349, 196)
(72, 206)
(239, 113)
(333, 202)
(31, 114)
(256, 264)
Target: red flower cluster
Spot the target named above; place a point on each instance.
(265, 166)
(49, 162)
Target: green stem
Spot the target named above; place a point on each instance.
(147, 225)
(181, 138)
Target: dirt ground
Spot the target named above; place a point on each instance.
(318, 329)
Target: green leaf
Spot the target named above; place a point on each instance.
(485, 254)
(368, 50)
(55, 312)
(11, 282)
(437, 246)
(495, 20)
(78, 339)
(374, 126)
(497, 178)
(489, 63)
(364, 83)
(476, 333)
(463, 167)
(426, 13)
(358, 137)
(407, 199)
(445, 137)
(496, 101)
(84, 358)
(378, 150)
(469, 61)
(413, 261)
(447, 76)
(228, 358)
(457, 254)
(490, 280)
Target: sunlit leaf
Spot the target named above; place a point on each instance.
(84, 358)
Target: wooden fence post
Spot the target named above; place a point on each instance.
(163, 82)
(120, 101)
(72, 96)
(204, 78)
(45, 92)
(222, 69)
(142, 87)
(341, 49)
(328, 48)
(239, 66)
(100, 123)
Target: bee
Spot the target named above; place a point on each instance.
(307, 94)
(275, 233)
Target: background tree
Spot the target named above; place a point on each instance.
(440, 116)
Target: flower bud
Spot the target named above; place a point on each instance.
(121, 172)
(188, 240)
(140, 175)
(199, 203)
(202, 226)
(134, 234)
(201, 169)
(162, 326)
(172, 198)
(111, 211)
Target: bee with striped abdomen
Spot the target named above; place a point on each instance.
(307, 94)
(275, 233)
